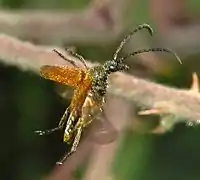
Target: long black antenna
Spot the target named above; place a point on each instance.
(151, 50)
(126, 38)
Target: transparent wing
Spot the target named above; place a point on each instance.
(103, 132)
(63, 74)
(64, 92)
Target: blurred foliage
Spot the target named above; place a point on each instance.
(45, 4)
(29, 102)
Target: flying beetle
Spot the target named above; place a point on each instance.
(90, 86)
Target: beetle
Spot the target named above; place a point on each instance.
(90, 86)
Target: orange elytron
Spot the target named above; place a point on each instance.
(90, 88)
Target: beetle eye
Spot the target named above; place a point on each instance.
(111, 67)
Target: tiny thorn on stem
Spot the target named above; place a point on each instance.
(195, 83)
(150, 111)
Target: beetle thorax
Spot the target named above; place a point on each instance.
(99, 81)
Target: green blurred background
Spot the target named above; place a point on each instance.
(25, 156)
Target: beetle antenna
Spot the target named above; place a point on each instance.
(151, 50)
(127, 37)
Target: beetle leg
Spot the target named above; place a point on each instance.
(59, 127)
(74, 145)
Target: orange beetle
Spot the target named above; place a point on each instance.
(90, 88)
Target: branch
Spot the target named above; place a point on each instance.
(181, 103)
(99, 22)
(75, 160)
(119, 112)
(27, 56)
